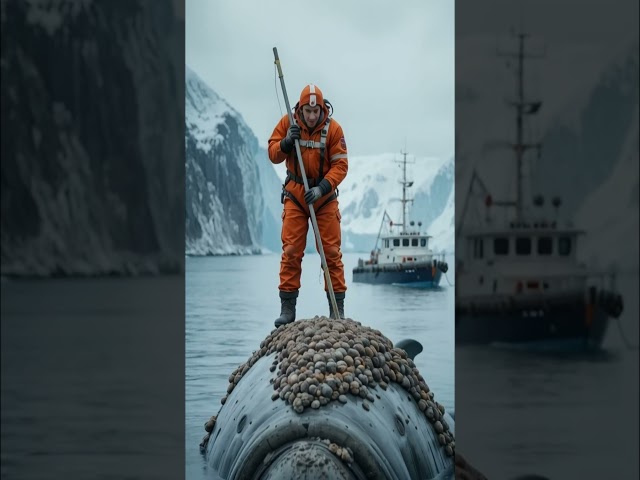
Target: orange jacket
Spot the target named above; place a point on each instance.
(335, 164)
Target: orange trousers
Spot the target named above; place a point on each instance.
(295, 225)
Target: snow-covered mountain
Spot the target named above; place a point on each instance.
(271, 187)
(598, 174)
(610, 214)
(443, 228)
(91, 129)
(373, 185)
(232, 191)
(585, 148)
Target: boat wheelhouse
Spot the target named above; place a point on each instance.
(530, 258)
(518, 276)
(404, 255)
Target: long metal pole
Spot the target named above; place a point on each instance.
(314, 222)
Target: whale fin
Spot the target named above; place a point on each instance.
(412, 347)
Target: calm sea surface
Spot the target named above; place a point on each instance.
(76, 383)
(92, 373)
(562, 415)
(231, 303)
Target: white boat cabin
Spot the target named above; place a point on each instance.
(523, 243)
(523, 257)
(402, 247)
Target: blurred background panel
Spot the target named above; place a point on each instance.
(546, 238)
(92, 242)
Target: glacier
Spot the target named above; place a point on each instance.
(91, 181)
(233, 190)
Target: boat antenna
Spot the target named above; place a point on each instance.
(523, 107)
(405, 184)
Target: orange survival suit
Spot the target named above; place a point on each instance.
(324, 155)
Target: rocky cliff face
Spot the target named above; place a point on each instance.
(227, 178)
(92, 144)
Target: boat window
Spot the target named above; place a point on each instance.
(545, 246)
(386, 243)
(523, 246)
(478, 248)
(396, 242)
(414, 242)
(564, 246)
(501, 246)
(405, 242)
(423, 242)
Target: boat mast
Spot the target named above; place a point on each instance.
(405, 185)
(522, 107)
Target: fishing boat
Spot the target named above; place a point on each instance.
(518, 277)
(401, 254)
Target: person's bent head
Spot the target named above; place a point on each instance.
(311, 105)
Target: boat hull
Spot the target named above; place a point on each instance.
(420, 275)
(568, 321)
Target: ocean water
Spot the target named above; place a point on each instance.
(558, 414)
(94, 384)
(92, 378)
(231, 303)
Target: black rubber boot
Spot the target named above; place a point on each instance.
(339, 301)
(287, 308)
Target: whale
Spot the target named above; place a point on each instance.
(272, 425)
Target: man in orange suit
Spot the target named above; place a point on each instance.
(324, 156)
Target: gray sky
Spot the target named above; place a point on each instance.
(386, 66)
(578, 40)
(581, 41)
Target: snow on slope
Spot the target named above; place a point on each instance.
(610, 214)
(204, 112)
(373, 186)
(443, 228)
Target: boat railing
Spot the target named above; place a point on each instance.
(604, 279)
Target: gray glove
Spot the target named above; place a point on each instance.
(287, 143)
(315, 193)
